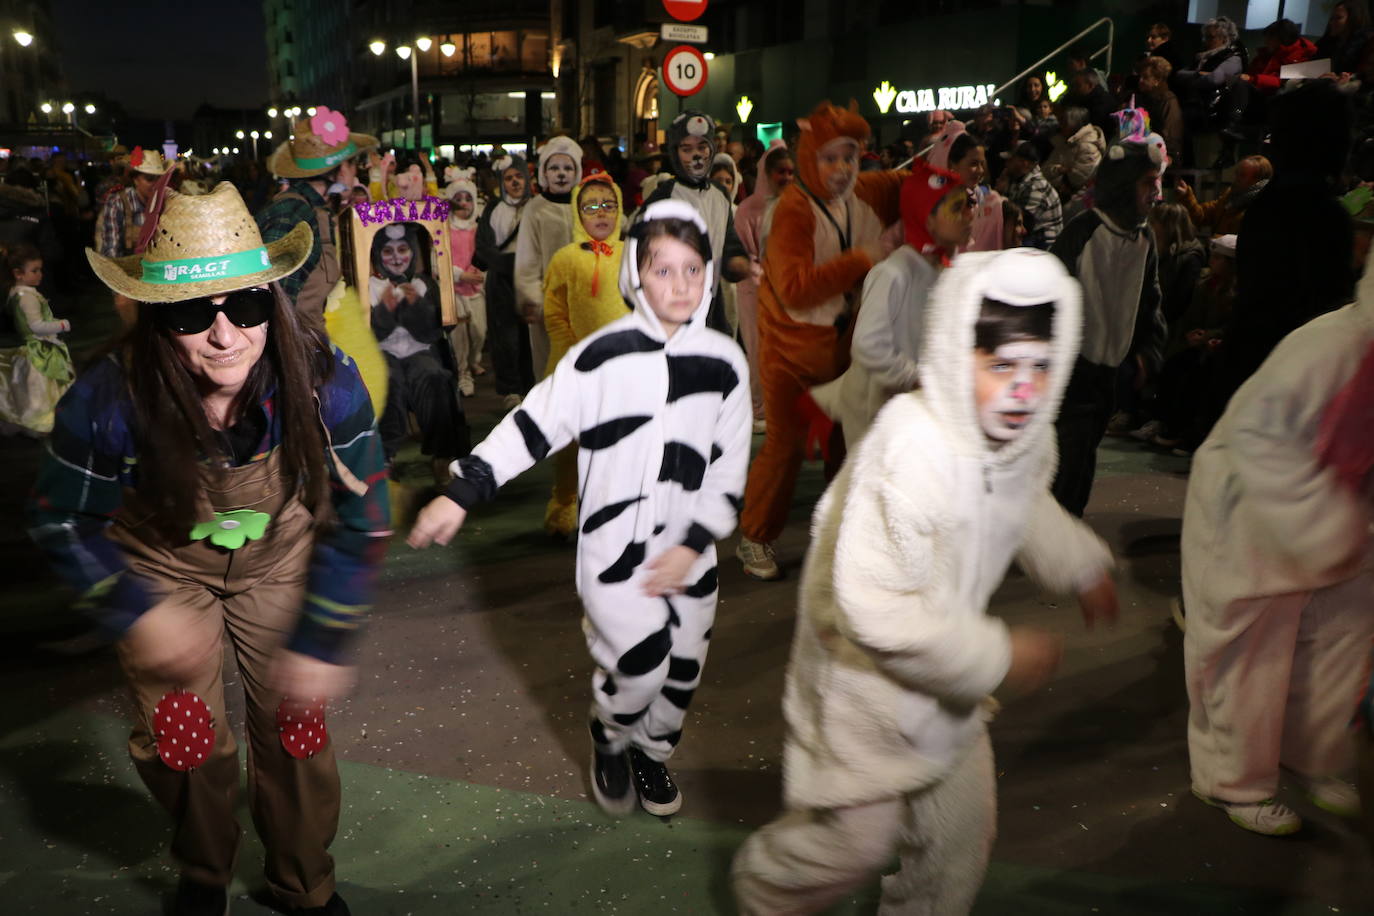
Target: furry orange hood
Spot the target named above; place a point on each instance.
(826, 123)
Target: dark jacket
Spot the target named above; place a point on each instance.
(491, 256)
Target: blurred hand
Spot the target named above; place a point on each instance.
(1100, 602)
(437, 523)
(171, 642)
(300, 679)
(1035, 654)
(1246, 77)
(471, 275)
(755, 270)
(1183, 187)
(388, 297)
(410, 292)
(668, 571)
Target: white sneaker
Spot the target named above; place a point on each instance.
(465, 386)
(1267, 817)
(1334, 795)
(512, 401)
(758, 560)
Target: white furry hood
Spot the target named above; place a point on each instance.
(566, 145)
(1020, 276)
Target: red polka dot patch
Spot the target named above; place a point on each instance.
(185, 730)
(301, 725)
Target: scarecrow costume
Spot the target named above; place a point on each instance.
(251, 565)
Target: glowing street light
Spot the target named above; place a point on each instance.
(68, 108)
(46, 108)
(238, 134)
(90, 109)
(267, 135)
(253, 134)
(403, 52)
(271, 112)
(311, 111)
(377, 47)
(236, 151)
(24, 38)
(423, 44)
(448, 48)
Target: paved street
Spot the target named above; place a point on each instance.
(464, 748)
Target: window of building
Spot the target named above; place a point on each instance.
(604, 98)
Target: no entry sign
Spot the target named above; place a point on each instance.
(685, 10)
(684, 70)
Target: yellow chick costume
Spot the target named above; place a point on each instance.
(581, 295)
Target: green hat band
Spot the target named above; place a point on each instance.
(198, 270)
(333, 159)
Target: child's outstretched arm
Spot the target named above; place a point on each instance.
(1063, 554)
(544, 423)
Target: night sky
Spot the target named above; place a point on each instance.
(162, 58)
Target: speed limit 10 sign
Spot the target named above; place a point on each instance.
(684, 71)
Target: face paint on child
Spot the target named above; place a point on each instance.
(694, 155)
(838, 162)
(951, 222)
(560, 173)
(1009, 386)
(396, 257)
(513, 185)
(462, 204)
(598, 207)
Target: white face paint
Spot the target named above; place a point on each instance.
(560, 173)
(1009, 386)
(694, 155)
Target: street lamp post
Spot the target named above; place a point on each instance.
(405, 52)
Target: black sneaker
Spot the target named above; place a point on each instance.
(611, 783)
(657, 793)
(196, 899)
(334, 906)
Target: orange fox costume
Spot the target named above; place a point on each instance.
(811, 281)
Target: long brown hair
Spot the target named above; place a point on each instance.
(174, 436)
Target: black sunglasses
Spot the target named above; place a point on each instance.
(246, 308)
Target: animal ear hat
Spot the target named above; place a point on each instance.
(203, 245)
(828, 122)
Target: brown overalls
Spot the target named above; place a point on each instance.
(254, 595)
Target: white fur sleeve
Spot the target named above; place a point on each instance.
(1059, 551)
(889, 600)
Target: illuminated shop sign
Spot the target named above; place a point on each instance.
(950, 98)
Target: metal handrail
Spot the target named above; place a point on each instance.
(1107, 49)
(996, 93)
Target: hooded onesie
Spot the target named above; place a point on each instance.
(888, 331)
(547, 228)
(662, 427)
(581, 295)
(753, 218)
(885, 749)
(1111, 251)
(707, 198)
(814, 269)
(407, 331)
(471, 332)
(1276, 566)
(497, 233)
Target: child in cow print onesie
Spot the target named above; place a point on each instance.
(659, 407)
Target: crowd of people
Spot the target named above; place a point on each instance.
(951, 325)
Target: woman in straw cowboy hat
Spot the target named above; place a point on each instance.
(219, 476)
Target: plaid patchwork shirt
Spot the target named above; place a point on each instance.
(92, 457)
(123, 209)
(281, 216)
(1044, 215)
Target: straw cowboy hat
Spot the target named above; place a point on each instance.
(321, 142)
(204, 245)
(147, 161)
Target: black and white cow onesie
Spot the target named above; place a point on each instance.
(663, 429)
